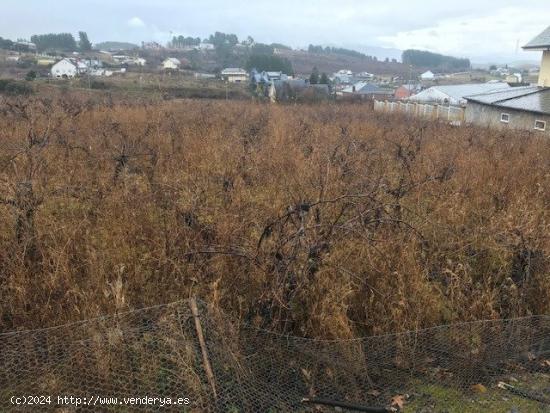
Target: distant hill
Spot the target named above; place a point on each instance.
(303, 62)
(115, 46)
(380, 52)
(434, 61)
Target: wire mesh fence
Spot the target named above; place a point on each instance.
(170, 358)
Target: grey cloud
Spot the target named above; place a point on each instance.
(297, 23)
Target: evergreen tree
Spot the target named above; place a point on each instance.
(31, 75)
(314, 78)
(324, 79)
(84, 42)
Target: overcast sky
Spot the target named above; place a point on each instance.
(479, 29)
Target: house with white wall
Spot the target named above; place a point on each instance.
(65, 68)
(171, 64)
(234, 75)
(427, 75)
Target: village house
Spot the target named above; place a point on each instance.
(406, 91)
(273, 76)
(343, 76)
(140, 61)
(366, 90)
(24, 46)
(455, 94)
(267, 77)
(364, 76)
(427, 75)
(514, 78)
(234, 75)
(206, 46)
(525, 107)
(171, 63)
(68, 68)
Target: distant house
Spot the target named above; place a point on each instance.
(171, 64)
(206, 46)
(455, 94)
(45, 60)
(514, 78)
(427, 75)
(138, 61)
(366, 90)
(234, 75)
(24, 46)
(406, 91)
(82, 66)
(364, 76)
(267, 77)
(273, 76)
(199, 75)
(343, 76)
(68, 68)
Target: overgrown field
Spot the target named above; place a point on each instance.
(324, 220)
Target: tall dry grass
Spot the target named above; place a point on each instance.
(326, 221)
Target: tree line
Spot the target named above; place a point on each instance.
(179, 42)
(317, 49)
(421, 58)
(62, 41)
(265, 62)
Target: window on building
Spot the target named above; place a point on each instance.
(505, 117)
(540, 125)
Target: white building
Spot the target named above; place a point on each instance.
(514, 78)
(206, 46)
(343, 76)
(65, 68)
(171, 64)
(140, 61)
(234, 75)
(120, 58)
(69, 68)
(427, 75)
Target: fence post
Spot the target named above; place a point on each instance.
(200, 336)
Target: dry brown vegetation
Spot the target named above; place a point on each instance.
(325, 220)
